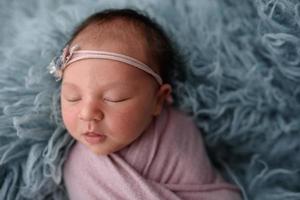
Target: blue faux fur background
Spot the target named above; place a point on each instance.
(242, 60)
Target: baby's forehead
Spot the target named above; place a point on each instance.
(103, 71)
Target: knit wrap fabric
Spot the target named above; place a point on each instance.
(168, 161)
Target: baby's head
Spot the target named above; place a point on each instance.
(108, 101)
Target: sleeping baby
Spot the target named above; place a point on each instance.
(116, 103)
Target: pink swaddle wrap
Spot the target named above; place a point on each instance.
(168, 161)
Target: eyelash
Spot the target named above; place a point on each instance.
(115, 101)
(69, 100)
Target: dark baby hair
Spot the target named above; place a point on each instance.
(158, 44)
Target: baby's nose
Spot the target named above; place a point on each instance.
(91, 111)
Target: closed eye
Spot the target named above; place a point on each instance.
(115, 100)
(73, 100)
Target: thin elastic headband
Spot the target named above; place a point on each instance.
(70, 55)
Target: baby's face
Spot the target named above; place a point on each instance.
(109, 98)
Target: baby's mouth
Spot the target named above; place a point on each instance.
(94, 137)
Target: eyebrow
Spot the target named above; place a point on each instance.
(113, 84)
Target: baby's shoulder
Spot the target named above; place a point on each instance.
(180, 120)
(186, 145)
(179, 127)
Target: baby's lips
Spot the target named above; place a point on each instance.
(94, 138)
(93, 134)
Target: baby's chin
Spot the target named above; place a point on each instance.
(102, 149)
(99, 152)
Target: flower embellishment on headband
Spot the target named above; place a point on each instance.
(58, 64)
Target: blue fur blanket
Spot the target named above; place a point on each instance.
(242, 63)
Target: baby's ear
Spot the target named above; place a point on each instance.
(163, 93)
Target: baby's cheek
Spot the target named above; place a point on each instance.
(69, 118)
(129, 126)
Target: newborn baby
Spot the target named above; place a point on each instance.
(116, 103)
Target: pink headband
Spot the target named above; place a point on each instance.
(72, 54)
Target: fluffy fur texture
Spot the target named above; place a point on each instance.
(242, 86)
